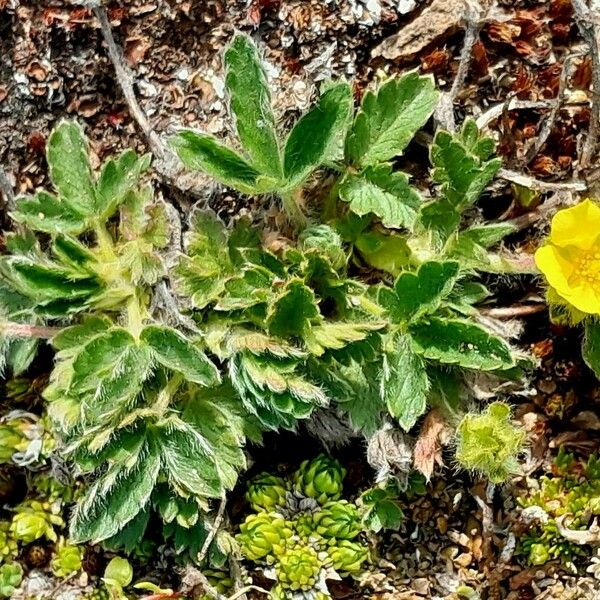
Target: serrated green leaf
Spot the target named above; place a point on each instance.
(250, 102)
(384, 193)
(462, 343)
(389, 118)
(118, 177)
(202, 152)
(47, 213)
(441, 220)
(404, 383)
(20, 354)
(463, 175)
(421, 293)
(188, 460)
(316, 137)
(591, 346)
(115, 499)
(70, 169)
(487, 235)
(293, 309)
(73, 253)
(174, 351)
(337, 335)
(252, 287)
(78, 335)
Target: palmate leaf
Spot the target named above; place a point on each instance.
(388, 119)
(460, 342)
(384, 193)
(404, 383)
(250, 101)
(202, 152)
(317, 136)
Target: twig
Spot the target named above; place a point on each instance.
(24, 330)
(550, 121)
(125, 80)
(474, 22)
(213, 531)
(588, 22)
(236, 574)
(513, 312)
(575, 185)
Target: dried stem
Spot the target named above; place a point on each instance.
(513, 312)
(575, 185)
(6, 190)
(588, 22)
(24, 330)
(213, 531)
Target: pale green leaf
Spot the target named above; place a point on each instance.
(47, 213)
(404, 383)
(316, 137)
(389, 118)
(386, 252)
(70, 169)
(202, 152)
(336, 335)
(384, 193)
(250, 102)
(462, 343)
(174, 351)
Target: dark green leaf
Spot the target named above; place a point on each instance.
(461, 343)
(384, 193)
(316, 137)
(292, 311)
(389, 118)
(47, 213)
(591, 346)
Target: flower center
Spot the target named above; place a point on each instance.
(587, 267)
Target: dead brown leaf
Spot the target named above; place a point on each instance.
(427, 451)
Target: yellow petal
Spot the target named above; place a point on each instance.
(556, 267)
(585, 298)
(578, 226)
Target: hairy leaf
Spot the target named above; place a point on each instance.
(251, 104)
(292, 311)
(462, 343)
(315, 138)
(389, 118)
(404, 383)
(384, 193)
(70, 168)
(202, 152)
(337, 335)
(47, 213)
(172, 350)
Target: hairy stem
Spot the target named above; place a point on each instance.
(25, 330)
(293, 211)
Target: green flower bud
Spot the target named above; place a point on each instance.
(298, 568)
(8, 546)
(339, 520)
(538, 554)
(320, 478)
(266, 492)
(10, 442)
(263, 534)
(67, 559)
(99, 593)
(347, 556)
(489, 443)
(220, 580)
(11, 575)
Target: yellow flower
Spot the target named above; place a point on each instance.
(570, 260)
